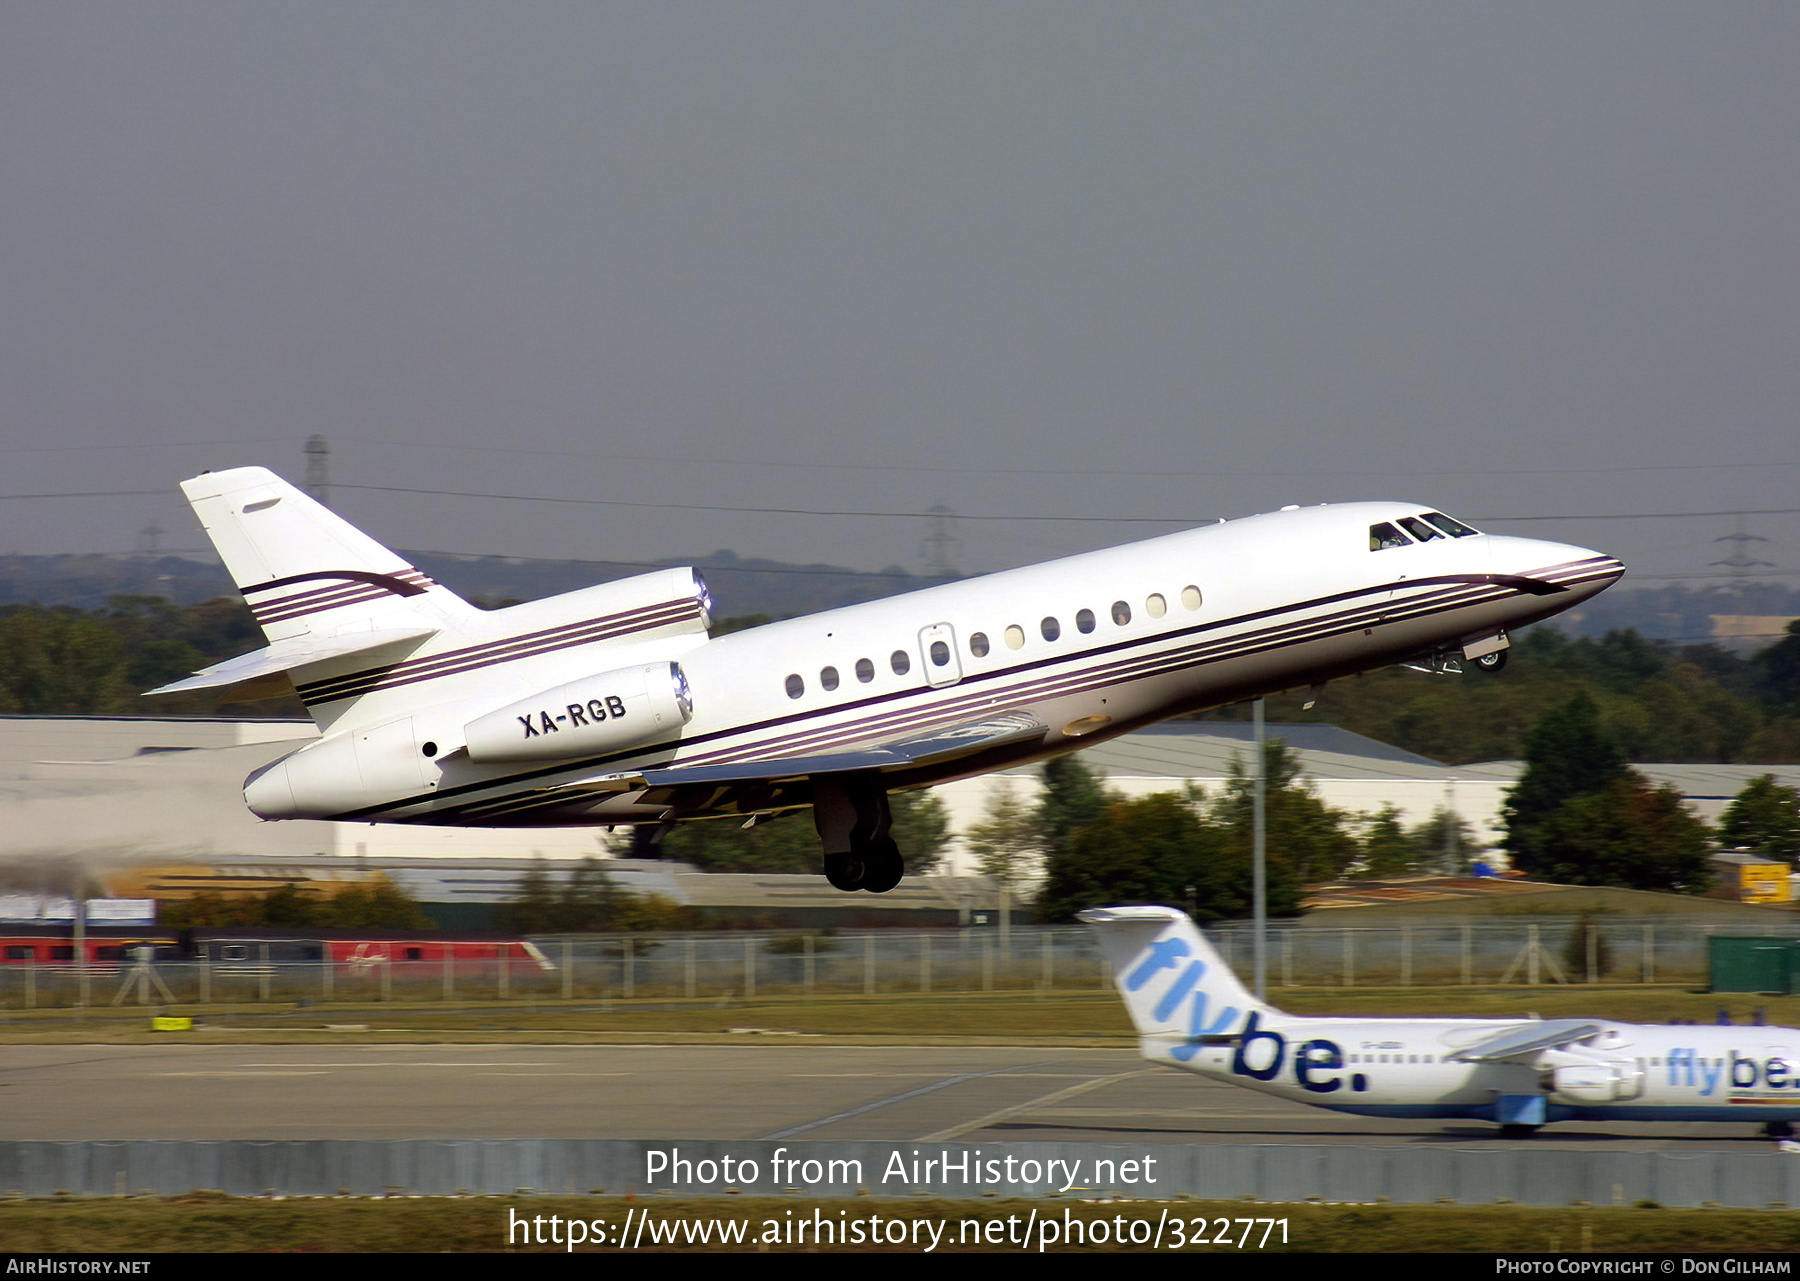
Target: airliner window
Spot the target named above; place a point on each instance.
(1156, 606)
(1121, 613)
(795, 686)
(865, 670)
(1084, 621)
(1419, 529)
(1384, 536)
(1015, 637)
(1190, 597)
(978, 644)
(1051, 628)
(1454, 528)
(940, 654)
(901, 663)
(828, 677)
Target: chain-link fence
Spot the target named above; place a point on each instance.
(1024, 959)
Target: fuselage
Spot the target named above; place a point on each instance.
(1408, 1068)
(1088, 647)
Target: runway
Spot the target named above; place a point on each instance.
(789, 1091)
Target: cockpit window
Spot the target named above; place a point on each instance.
(1384, 536)
(1419, 529)
(1454, 528)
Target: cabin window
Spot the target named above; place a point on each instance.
(795, 686)
(1190, 597)
(1084, 621)
(1156, 606)
(1419, 529)
(1121, 613)
(234, 952)
(21, 953)
(415, 953)
(940, 654)
(1050, 628)
(865, 670)
(1384, 536)
(828, 678)
(900, 662)
(1015, 637)
(978, 644)
(1454, 528)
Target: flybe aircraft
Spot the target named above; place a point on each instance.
(1192, 1013)
(613, 705)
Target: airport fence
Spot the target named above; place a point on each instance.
(1034, 960)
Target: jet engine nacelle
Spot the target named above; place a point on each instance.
(588, 717)
(1598, 1082)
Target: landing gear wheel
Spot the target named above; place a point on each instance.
(846, 871)
(885, 866)
(1492, 662)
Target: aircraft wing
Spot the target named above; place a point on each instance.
(948, 744)
(1526, 1039)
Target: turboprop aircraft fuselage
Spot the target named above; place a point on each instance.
(613, 705)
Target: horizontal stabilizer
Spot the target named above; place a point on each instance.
(299, 651)
(1526, 1039)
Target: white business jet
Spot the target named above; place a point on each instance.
(613, 705)
(1192, 1013)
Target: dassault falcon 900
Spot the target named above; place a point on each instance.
(1191, 1013)
(613, 705)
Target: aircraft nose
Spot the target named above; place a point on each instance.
(1560, 567)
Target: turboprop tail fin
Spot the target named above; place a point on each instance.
(1174, 983)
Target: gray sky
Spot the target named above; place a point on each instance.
(1105, 260)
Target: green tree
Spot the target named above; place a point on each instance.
(59, 661)
(1779, 667)
(1005, 843)
(377, 904)
(1385, 849)
(532, 909)
(1764, 819)
(1567, 755)
(1631, 835)
(1072, 798)
(1307, 838)
(1445, 843)
(1155, 849)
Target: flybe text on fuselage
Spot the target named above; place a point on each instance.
(1192, 1013)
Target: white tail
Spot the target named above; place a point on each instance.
(1176, 987)
(302, 568)
(328, 597)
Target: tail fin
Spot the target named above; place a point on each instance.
(1176, 987)
(321, 589)
(304, 569)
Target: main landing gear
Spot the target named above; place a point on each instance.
(852, 816)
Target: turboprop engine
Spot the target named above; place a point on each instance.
(588, 717)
